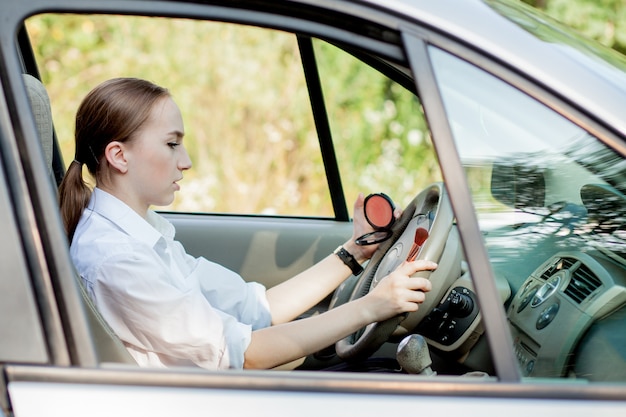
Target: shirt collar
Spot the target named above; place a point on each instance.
(148, 230)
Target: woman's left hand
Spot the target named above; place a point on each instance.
(361, 227)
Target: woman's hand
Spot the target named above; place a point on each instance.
(361, 227)
(398, 292)
(395, 294)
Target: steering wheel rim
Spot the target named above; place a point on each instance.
(430, 207)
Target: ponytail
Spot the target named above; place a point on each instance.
(74, 196)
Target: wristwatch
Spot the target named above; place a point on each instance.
(347, 258)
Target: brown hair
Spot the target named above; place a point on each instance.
(113, 111)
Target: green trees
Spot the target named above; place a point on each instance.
(234, 105)
(602, 20)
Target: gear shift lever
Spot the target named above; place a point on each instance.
(413, 355)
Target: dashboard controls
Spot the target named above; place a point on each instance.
(527, 296)
(555, 305)
(451, 318)
(461, 304)
(546, 316)
(547, 290)
(525, 356)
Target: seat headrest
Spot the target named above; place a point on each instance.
(40, 103)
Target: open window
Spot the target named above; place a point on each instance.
(250, 99)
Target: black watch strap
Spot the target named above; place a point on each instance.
(347, 258)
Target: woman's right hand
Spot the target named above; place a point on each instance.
(395, 294)
(398, 292)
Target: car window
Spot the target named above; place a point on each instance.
(241, 90)
(247, 111)
(551, 203)
(379, 130)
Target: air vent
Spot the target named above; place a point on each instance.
(556, 266)
(582, 284)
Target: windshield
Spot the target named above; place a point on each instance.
(550, 199)
(598, 58)
(558, 170)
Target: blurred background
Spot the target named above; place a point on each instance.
(228, 133)
(602, 20)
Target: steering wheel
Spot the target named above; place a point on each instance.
(430, 210)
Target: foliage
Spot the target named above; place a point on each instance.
(602, 20)
(249, 128)
(369, 113)
(234, 124)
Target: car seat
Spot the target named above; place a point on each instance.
(109, 348)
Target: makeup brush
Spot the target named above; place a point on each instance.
(421, 235)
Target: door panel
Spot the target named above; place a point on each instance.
(76, 392)
(104, 400)
(261, 249)
(270, 249)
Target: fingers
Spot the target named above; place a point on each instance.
(402, 276)
(360, 227)
(399, 292)
(412, 301)
(359, 202)
(418, 286)
(410, 268)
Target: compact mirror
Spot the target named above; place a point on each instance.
(379, 209)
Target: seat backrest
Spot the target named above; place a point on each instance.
(109, 348)
(40, 103)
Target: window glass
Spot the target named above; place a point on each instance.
(550, 199)
(379, 130)
(241, 90)
(246, 108)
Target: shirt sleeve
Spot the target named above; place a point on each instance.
(229, 293)
(137, 298)
(226, 290)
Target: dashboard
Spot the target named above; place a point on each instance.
(565, 272)
(557, 304)
(574, 291)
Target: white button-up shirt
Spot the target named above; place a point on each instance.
(169, 308)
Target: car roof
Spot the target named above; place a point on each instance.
(587, 75)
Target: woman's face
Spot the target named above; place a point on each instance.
(157, 158)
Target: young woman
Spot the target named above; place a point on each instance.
(169, 308)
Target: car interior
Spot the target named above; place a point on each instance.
(550, 199)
